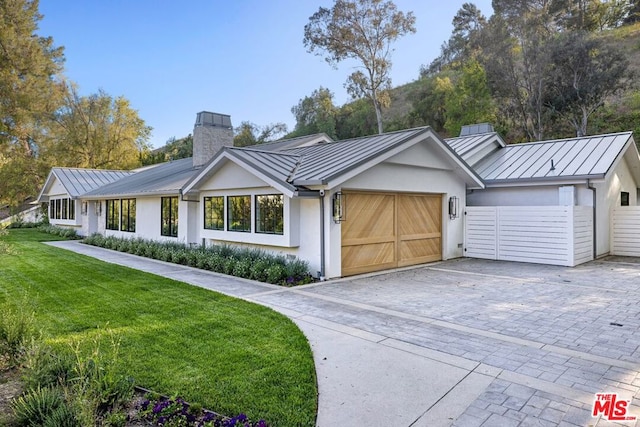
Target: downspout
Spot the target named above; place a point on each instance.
(322, 272)
(593, 192)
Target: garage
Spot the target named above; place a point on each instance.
(388, 230)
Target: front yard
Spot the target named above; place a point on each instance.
(222, 353)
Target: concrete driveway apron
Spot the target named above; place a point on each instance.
(462, 342)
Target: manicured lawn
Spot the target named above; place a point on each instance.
(225, 354)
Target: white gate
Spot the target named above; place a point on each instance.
(625, 231)
(559, 235)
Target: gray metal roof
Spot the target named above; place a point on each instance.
(285, 144)
(320, 163)
(78, 182)
(464, 146)
(278, 166)
(166, 178)
(589, 157)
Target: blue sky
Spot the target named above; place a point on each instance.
(245, 58)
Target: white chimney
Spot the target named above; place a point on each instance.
(211, 132)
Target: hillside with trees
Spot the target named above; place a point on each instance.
(535, 69)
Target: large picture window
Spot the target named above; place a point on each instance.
(128, 218)
(169, 220)
(239, 213)
(62, 209)
(113, 215)
(214, 213)
(270, 214)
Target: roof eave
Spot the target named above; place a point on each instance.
(548, 180)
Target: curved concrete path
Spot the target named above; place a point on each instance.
(463, 342)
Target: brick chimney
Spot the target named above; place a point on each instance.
(211, 132)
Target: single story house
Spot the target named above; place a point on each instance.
(371, 203)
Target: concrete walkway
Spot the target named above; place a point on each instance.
(463, 342)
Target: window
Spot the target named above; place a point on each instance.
(169, 219)
(270, 214)
(214, 213)
(113, 214)
(624, 198)
(128, 218)
(62, 209)
(239, 213)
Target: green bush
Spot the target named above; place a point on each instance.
(67, 233)
(17, 330)
(250, 263)
(35, 406)
(45, 368)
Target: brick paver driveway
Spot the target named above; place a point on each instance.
(551, 336)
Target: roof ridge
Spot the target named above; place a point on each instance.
(264, 151)
(602, 135)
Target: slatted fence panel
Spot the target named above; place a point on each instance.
(626, 231)
(557, 235)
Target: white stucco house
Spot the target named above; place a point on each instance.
(371, 203)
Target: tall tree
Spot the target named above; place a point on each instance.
(97, 131)
(248, 133)
(584, 73)
(362, 30)
(315, 114)
(468, 24)
(29, 92)
(469, 100)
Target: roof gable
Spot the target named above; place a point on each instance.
(78, 182)
(327, 164)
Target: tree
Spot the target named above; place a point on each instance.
(97, 131)
(468, 24)
(173, 149)
(469, 100)
(584, 73)
(315, 114)
(29, 93)
(248, 133)
(362, 30)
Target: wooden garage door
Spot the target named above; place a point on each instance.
(387, 230)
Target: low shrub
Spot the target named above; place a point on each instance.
(43, 367)
(17, 330)
(248, 263)
(67, 233)
(37, 406)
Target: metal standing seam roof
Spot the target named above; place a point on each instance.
(292, 142)
(166, 178)
(320, 163)
(589, 156)
(465, 145)
(78, 182)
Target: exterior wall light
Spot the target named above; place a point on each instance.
(338, 207)
(454, 205)
(98, 208)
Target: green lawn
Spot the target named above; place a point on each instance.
(226, 354)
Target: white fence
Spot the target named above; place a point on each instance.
(625, 231)
(559, 235)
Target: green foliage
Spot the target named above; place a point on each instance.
(64, 232)
(173, 149)
(248, 133)
(241, 357)
(248, 263)
(348, 31)
(315, 114)
(37, 405)
(17, 330)
(44, 367)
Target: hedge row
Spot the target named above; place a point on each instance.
(248, 263)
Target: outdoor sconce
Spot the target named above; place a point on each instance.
(338, 207)
(453, 207)
(98, 208)
(84, 208)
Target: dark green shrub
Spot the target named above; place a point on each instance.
(259, 269)
(242, 268)
(62, 416)
(228, 264)
(275, 273)
(215, 262)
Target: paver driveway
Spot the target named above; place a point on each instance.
(463, 342)
(551, 336)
